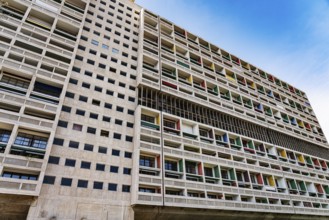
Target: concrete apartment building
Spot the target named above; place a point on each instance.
(108, 111)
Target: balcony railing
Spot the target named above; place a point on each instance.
(150, 125)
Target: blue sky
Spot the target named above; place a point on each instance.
(287, 38)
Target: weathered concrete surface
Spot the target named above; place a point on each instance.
(14, 207)
(171, 213)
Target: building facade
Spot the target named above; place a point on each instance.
(108, 111)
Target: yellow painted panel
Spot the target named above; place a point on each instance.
(190, 79)
(301, 124)
(174, 48)
(158, 120)
(230, 78)
(212, 66)
(283, 153)
(39, 23)
(301, 158)
(271, 181)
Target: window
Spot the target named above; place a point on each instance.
(108, 105)
(49, 180)
(126, 171)
(117, 136)
(85, 85)
(85, 165)
(109, 92)
(102, 66)
(118, 122)
(107, 119)
(73, 81)
(121, 96)
(91, 130)
(104, 46)
(128, 154)
(119, 109)
(83, 98)
(4, 136)
(104, 133)
(76, 69)
(131, 112)
(113, 70)
(96, 102)
(66, 181)
(91, 62)
(116, 51)
(94, 42)
(225, 174)
(147, 190)
(93, 52)
(171, 165)
(100, 167)
(89, 147)
(98, 185)
(114, 169)
(80, 112)
(115, 152)
(70, 163)
(28, 140)
(66, 109)
(57, 141)
(208, 171)
(88, 73)
(74, 144)
(129, 138)
(100, 77)
(125, 188)
(82, 184)
(130, 125)
(19, 176)
(62, 124)
(93, 115)
(77, 127)
(53, 160)
(102, 150)
(69, 95)
(131, 99)
(146, 161)
(80, 48)
(112, 187)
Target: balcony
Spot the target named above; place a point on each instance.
(4, 138)
(211, 174)
(222, 140)
(182, 64)
(206, 136)
(147, 124)
(14, 84)
(193, 171)
(171, 73)
(190, 136)
(14, 10)
(150, 121)
(235, 142)
(171, 126)
(29, 145)
(173, 169)
(45, 92)
(228, 177)
(149, 165)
